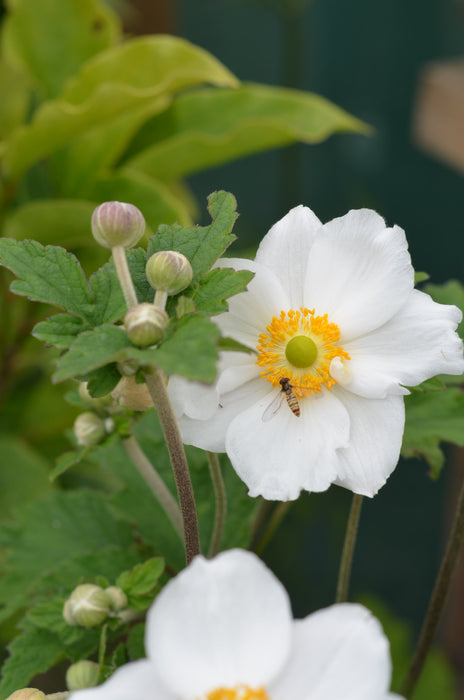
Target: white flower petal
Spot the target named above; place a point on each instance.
(219, 623)
(279, 457)
(251, 311)
(375, 441)
(416, 344)
(138, 679)
(359, 272)
(285, 250)
(339, 652)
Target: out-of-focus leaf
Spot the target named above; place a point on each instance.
(23, 475)
(140, 583)
(13, 110)
(59, 330)
(431, 418)
(204, 128)
(50, 40)
(142, 71)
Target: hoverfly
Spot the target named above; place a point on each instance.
(287, 393)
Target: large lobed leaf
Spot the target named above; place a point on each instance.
(138, 74)
(204, 128)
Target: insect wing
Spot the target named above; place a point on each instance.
(273, 407)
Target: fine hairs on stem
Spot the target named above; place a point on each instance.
(221, 503)
(348, 549)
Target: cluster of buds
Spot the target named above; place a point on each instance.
(90, 605)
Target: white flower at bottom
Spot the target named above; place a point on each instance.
(223, 630)
(334, 325)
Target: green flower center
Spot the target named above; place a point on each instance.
(301, 351)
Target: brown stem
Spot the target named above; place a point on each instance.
(157, 389)
(438, 598)
(348, 549)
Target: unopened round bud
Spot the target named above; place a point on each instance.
(146, 324)
(117, 598)
(89, 429)
(130, 394)
(27, 694)
(82, 674)
(117, 223)
(87, 606)
(127, 368)
(169, 271)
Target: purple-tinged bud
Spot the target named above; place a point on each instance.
(146, 324)
(169, 271)
(117, 224)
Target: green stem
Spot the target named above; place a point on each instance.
(159, 394)
(348, 549)
(124, 275)
(276, 518)
(155, 482)
(221, 503)
(160, 299)
(438, 598)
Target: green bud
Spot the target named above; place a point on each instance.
(97, 403)
(146, 324)
(27, 694)
(169, 271)
(130, 394)
(117, 224)
(117, 598)
(127, 368)
(87, 606)
(82, 674)
(89, 429)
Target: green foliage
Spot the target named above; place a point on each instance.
(141, 583)
(431, 418)
(437, 679)
(217, 286)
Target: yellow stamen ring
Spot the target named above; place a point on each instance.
(300, 346)
(242, 692)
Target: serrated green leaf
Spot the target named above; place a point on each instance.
(431, 418)
(190, 350)
(217, 286)
(50, 40)
(207, 127)
(142, 71)
(202, 245)
(48, 274)
(102, 381)
(231, 345)
(141, 582)
(32, 652)
(93, 349)
(184, 306)
(60, 330)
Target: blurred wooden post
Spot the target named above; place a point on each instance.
(438, 121)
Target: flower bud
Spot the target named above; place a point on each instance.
(87, 606)
(98, 403)
(27, 694)
(146, 324)
(127, 367)
(130, 394)
(117, 598)
(89, 429)
(169, 271)
(117, 224)
(82, 674)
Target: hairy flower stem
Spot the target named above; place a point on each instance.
(276, 518)
(348, 549)
(221, 503)
(438, 598)
(160, 298)
(124, 276)
(157, 389)
(155, 482)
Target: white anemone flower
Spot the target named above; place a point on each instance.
(223, 630)
(334, 325)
